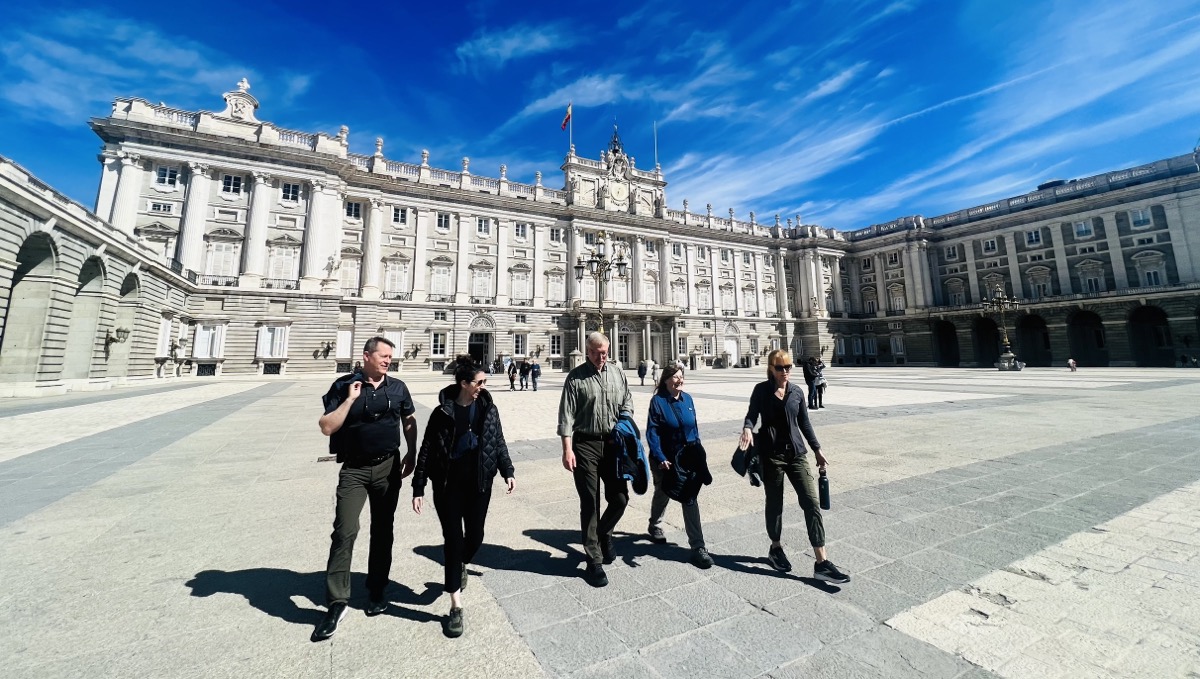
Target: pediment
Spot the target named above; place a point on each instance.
(441, 260)
(285, 241)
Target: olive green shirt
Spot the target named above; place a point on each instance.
(592, 400)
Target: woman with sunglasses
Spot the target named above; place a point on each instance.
(462, 450)
(785, 428)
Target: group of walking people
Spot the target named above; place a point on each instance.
(528, 371)
(464, 449)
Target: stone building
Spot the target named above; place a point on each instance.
(223, 245)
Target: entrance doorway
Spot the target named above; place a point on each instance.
(479, 346)
(623, 349)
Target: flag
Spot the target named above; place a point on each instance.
(567, 118)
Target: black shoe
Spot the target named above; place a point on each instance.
(595, 575)
(463, 586)
(329, 624)
(779, 560)
(827, 572)
(454, 624)
(606, 549)
(701, 559)
(656, 535)
(376, 606)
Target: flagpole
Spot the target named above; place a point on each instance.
(656, 143)
(571, 125)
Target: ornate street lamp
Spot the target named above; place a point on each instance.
(599, 265)
(999, 301)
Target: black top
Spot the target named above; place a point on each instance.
(373, 426)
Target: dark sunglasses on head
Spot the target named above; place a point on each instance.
(782, 368)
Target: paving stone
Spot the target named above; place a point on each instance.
(644, 621)
(699, 654)
(621, 667)
(542, 607)
(767, 640)
(884, 543)
(573, 645)
(889, 651)
(823, 616)
(916, 582)
(875, 598)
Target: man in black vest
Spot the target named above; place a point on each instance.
(366, 413)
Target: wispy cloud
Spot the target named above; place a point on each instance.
(836, 83)
(491, 50)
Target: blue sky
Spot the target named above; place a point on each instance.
(849, 113)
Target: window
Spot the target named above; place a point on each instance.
(870, 305)
(231, 184)
(395, 277)
(443, 221)
(520, 318)
(856, 344)
(953, 269)
(439, 315)
(1152, 277)
(222, 259)
(866, 264)
(958, 299)
(768, 261)
(399, 215)
(702, 253)
(897, 345)
(869, 345)
(651, 247)
(1087, 249)
(724, 256)
(676, 249)
(483, 226)
(437, 344)
(707, 325)
(1041, 289)
(556, 345)
(349, 274)
(556, 291)
(992, 264)
(481, 282)
(166, 176)
(440, 281)
(897, 300)
(754, 345)
(1036, 258)
(951, 252)
(1083, 229)
(682, 347)
(1139, 218)
(353, 210)
(1140, 241)
(555, 234)
(706, 345)
(166, 209)
(1033, 237)
(893, 258)
(1092, 284)
(291, 192)
(989, 245)
(521, 230)
(519, 286)
(209, 341)
(272, 341)
(589, 238)
(727, 299)
(164, 336)
(520, 342)
(282, 262)
(746, 258)
(704, 297)
(839, 346)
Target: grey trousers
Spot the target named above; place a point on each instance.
(691, 513)
(796, 469)
(357, 485)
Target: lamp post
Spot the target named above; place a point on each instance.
(999, 301)
(599, 265)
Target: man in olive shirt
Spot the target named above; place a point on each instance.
(366, 413)
(593, 397)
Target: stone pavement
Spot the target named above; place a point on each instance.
(1035, 524)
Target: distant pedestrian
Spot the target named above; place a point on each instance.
(535, 372)
(642, 372)
(525, 369)
(1071, 364)
(653, 372)
(512, 375)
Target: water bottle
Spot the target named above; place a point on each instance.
(823, 486)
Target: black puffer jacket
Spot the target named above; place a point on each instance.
(434, 456)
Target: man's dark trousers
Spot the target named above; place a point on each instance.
(593, 466)
(380, 484)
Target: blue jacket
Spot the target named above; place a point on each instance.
(632, 463)
(669, 428)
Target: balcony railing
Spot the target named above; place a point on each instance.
(395, 294)
(772, 314)
(556, 303)
(483, 300)
(706, 312)
(728, 312)
(176, 266)
(228, 281)
(522, 302)
(281, 283)
(440, 298)
(350, 292)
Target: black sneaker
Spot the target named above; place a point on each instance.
(463, 586)
(606, 548)
(701, 559)
(329, 624)
(454, 624)
(595, 575)
(827, 572)
(779, 560)
(656, 535)
(376, 606)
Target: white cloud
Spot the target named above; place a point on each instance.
(836, 83)
(492, 50)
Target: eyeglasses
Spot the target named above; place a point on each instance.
(782, 368)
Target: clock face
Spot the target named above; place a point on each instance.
(619, 191)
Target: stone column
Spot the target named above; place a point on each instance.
(781, 285)
(855, 276)
(911, 279)
(757, 262)
(646, 340)
(254, 256)
(972, 277)
(881, 291)
(664, 272)
(689, 267)
(109, 175)
(503, 290)
(926, 270)
(737, 282)
(372, 266)
(839, 301)
(333, 211)
(420, 265)
(195, 214)
(817, 271)
(538, 283)
(314, 262)
(1182, 240)
(1116, 256)
(129, 189)
(1014, 269)
(639, 273)
(574, 252)
(462, 285)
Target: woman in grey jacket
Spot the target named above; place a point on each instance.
(780, 446)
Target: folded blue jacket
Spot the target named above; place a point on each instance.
(632, 463)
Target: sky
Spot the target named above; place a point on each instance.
(848, 113)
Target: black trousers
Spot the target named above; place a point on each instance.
(462, 511)
(380, 485)
(593, 466)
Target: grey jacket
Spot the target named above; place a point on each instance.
(795, 405)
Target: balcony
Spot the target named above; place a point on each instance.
(281, 283)
(483, 300)
(772, 314)
(350, 292)
(729, 312)
(522, 302)
(397, 295)
(556, 303)
(705, 312)
(227, 281)
(445, 299)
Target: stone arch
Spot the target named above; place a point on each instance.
(1086, 339)
(945, 344)
(1033, 341)
(482, 323)
(28, 304)
(1150, 343)
(83, 336)
(127, 309)
(985, 338)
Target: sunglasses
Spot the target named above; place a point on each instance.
(479, 383)
(371, 413)
(782, 368)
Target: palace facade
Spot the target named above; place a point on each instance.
(223, 245)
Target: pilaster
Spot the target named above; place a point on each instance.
(372, 267)
(129, 189)
(462, 269)
(195, 213)
(420, 265)
(503, 279)
(1116, 255)
(1014, 269)
(254, 245)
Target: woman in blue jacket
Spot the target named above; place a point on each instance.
(780, 447)
(670, 425)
